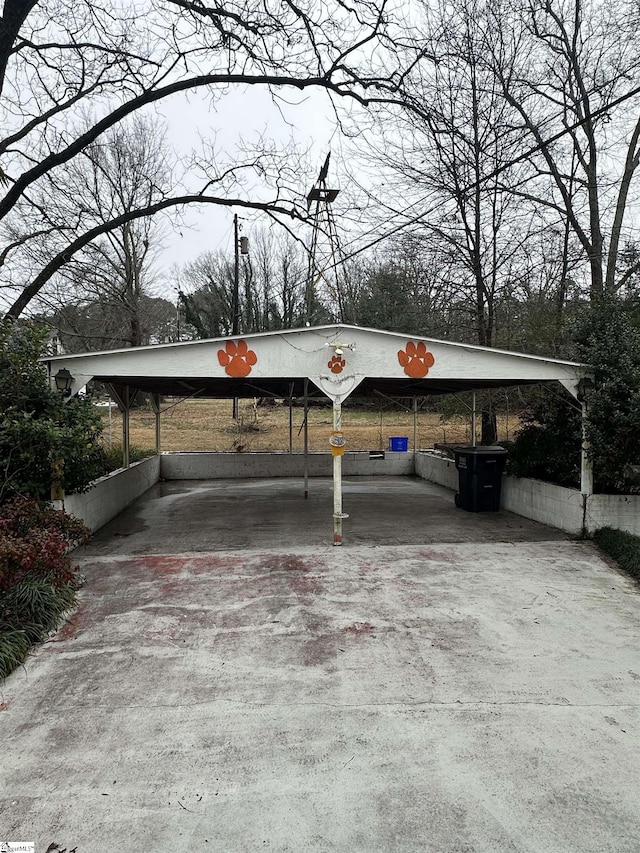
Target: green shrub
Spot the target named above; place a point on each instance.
(34, 606)
(37, 581)
(40, 430)
(28, 612)
(14, 647)
(623, 547)
(547, 445)
(607, 338)
(112, 457)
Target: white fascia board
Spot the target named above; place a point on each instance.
(310, 352)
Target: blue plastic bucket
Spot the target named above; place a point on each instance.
(398, 444)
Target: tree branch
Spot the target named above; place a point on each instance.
(35, 286)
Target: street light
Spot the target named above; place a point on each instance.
(585, 385)
(64, 381)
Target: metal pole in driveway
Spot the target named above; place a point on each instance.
(337, 450)
(306, 438)
(126, 437)
(156, 408)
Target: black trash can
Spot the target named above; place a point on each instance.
(480, 477)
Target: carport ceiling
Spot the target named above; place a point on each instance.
(338, 359)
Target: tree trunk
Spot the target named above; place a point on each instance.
(489, 430)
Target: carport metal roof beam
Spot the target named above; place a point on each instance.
(396, 364)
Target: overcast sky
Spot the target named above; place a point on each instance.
(240, 115)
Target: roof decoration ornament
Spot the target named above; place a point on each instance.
(237, 359)
(416, 359)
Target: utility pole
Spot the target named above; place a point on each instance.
(240, 247)
(235, 320)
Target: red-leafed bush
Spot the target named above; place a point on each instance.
(34, 543)
(37, 580)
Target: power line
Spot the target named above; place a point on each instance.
(496, 172)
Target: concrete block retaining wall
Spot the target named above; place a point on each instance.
(216, 466)
(547, 503)
(619, 511)
(437, 469)
(544, 502)
(109, 495)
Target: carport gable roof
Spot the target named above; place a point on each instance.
(337, 358)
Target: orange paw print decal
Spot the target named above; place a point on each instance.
(237, 359)
(416, 360)
(337, 364)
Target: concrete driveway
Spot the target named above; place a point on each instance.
(479, 693)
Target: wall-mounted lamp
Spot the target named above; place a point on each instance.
(585, 385)
(64, 381)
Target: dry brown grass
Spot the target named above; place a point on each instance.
(208, 425)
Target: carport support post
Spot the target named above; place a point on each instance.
(306, 438)
(125, 427)
(586, 465)
(473, 421)
(291, 418)
(156, 409)
(337, 476)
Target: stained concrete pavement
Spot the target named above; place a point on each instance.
(234, 514)
(480, 693)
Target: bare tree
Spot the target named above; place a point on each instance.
(98, 324)
(67, 60)
(455, 164)
(275, 293)
(572, 82)
(447, 164)
(126, 170)
(207, 294)
(271, 287)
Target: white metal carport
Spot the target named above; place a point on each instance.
(337, 360)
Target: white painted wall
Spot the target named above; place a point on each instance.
(209, 466)
(534, 499)
(619, 511)
(547, 503)
(437, 469)
(109, 495)
(544, 502)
